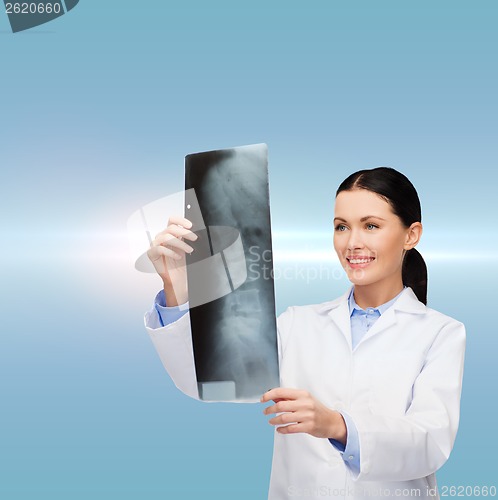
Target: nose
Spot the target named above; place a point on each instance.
(354, 241)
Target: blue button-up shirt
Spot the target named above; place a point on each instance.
(361, 321)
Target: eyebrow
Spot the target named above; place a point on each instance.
(363, 219)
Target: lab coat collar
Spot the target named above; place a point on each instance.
(406, 302)
(338, 310)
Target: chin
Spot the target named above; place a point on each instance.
(359, 280)
(356, 275)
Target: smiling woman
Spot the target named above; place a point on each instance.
(370, 383)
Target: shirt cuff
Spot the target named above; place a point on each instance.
(351, 452)
(168, 314)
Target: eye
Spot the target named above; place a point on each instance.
(340, 227)
(369, 226)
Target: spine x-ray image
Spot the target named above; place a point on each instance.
(230, 273)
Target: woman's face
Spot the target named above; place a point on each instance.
(369, 238)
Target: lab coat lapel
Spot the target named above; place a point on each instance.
(406, 302)
(385, 321)
(338, 310)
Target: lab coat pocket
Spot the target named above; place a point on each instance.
(391, 383)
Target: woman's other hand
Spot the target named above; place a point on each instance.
(301, 412)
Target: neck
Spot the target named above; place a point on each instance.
(376, 294)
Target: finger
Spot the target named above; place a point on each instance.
(168, 240)
(157, 252)
(181, 221)
(288, 417)
(291, 429)
(181, 232)
(178, 231)
(282, 393)
(282, 405)
(280, 420)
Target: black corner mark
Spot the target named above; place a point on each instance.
(27, 14)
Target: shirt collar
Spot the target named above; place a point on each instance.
(381, 309)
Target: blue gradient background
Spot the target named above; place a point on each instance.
(98, 110)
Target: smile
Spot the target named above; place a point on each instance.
(360, 263)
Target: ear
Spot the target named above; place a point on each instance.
(413, 235)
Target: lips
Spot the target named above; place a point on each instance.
(360, 259)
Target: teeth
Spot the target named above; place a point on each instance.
(359, 261)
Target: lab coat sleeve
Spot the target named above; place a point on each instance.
(399, 448)
(173, 343)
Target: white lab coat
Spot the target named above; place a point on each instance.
(401, 385)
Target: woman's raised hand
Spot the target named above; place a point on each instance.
(167, 254)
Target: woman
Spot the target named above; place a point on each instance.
(370, 383)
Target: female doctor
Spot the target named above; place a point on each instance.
(370, 383)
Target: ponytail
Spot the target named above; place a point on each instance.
(414, 274)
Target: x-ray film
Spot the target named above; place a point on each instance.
(230, 273)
